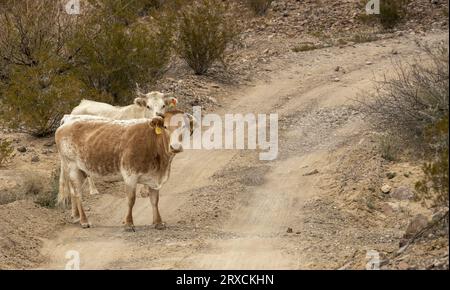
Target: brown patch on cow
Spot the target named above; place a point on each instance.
(105, 147)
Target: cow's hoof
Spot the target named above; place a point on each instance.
(130, 229)
(85, 225)
(160, 226)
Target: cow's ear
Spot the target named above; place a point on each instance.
(141, 102)
(171, 101)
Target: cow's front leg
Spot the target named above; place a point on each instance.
(154, 199)
(131, 193)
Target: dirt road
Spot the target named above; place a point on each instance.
(226, 209)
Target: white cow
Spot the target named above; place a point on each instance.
(146, 106)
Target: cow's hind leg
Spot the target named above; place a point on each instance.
(154, 199)
(92, 188)
(77, 178)
(131, 194)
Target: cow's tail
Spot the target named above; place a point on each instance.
(64, 188)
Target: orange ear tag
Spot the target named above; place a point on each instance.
(158, 130)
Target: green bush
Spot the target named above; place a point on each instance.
(116, 51)
(260, 7)
(36, 84)
(36, 98)
(205, 30)
(6, 151)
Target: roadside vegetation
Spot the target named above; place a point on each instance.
(412, 109)
(50, 60)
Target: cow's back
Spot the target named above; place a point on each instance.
(93, 108)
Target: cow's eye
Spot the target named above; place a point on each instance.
(148, 107)
(164, 106)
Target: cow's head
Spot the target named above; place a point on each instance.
(178, 126)
(154, 103)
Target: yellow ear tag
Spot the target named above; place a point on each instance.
(158, 130)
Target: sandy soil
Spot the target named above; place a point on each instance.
(228, 210)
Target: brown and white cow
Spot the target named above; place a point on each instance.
(147, 106)
(135, 151)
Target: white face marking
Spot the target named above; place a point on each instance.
(155, 104)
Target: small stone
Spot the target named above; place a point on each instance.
(386, 189)
(49, 144)
(35, 158)
(391, 175)
(315, 171)
(290, 230)
(336, 80)
(369, 63)
(337, 68)
(22, 149)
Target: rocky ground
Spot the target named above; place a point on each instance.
(353, 200)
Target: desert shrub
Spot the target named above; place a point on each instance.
(204, 31)
(414, 98)
(36, 97)
(116, 51)
(306, 46)
(260, 7)
(36, 83)
(389, 148)
(6, 151)
(435, 183)
(392, 12)
(363, 37)
(412, 107)
(48, 198)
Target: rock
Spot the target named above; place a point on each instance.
(403, 266)
(391, 175)
(386, 189)
(22, 149)
(290, 230)
(369, 63)
(336, 80)
(49, 144)
(402, 193)
(386, 209)
(337, 68)
(35, 158)
(315, 171)
(418, 223)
